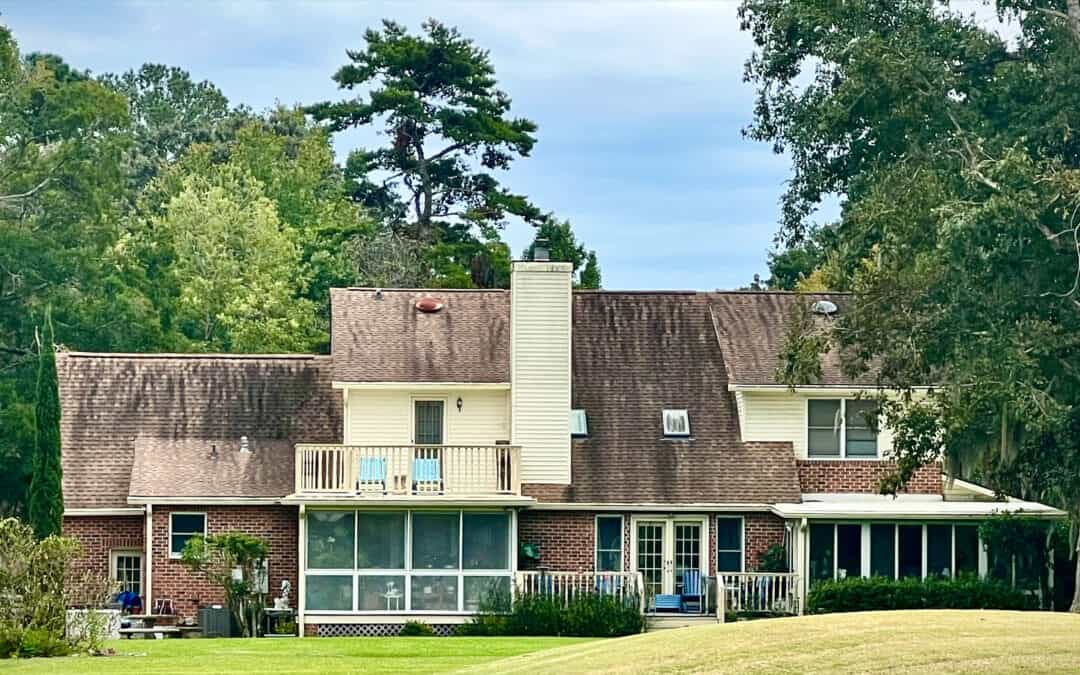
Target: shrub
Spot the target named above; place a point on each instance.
(41, 642)
(584, 615)
(416, 629)
(878, 593)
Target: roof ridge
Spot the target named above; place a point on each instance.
(193, 355)
(372, 289)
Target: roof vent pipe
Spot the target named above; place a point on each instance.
(245, 447)
(541, 252)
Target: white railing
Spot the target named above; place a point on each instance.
(627, 586)
(408, 470)
(758, 592)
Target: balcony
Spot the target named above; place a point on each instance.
(380, 471)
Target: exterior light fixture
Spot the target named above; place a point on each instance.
(459, 403)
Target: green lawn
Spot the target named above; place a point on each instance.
(908, 642)
(927, 641)
(414, 656)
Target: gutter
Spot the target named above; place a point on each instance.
(114, 511)
(817, 388)
(657, 508)
(208, 501)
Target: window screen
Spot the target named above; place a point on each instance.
(609, 543)
(729, 545)
(860, 419)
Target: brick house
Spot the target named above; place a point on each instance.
(638, 436)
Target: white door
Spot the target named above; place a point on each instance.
(666, 548)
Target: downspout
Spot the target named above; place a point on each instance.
(301, 562)
(149, 537)
(804, 560)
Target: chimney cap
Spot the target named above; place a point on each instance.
(541, 252)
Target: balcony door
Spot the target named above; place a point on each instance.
(666, 548)
(428, 421)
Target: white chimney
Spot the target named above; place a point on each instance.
(540, 318)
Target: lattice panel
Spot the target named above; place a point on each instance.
(376, 629)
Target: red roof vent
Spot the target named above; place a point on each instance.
(429, 305)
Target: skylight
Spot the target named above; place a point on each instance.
(579, 425)
(676, 423)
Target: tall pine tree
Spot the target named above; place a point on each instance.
(46, 503)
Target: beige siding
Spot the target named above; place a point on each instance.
(540, 369)
(780, 416)
(384, 417)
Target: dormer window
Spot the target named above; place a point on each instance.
(676, 423)
(579, 425)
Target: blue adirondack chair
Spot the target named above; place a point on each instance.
(426, 474)
(663, 601)
(691, 588)
(373, 473)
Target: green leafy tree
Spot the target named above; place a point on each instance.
(563, 246)
(234, 561)
(233, 266)
(954, 152)
(169, 112)
(46, 499)
(449, 130)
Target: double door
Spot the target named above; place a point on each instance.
(666, 548)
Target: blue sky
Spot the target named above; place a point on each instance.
(640, 107)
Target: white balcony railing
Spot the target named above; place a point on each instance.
(758, 593)
(565, 586)
(408, 470)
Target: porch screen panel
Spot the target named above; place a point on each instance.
(485, 541)
(910, 551)
(380, 592)
(329, 592)
(429, 422)
(821, 552)
(435, 593)
(939, 550)
(435, 541)
(967, 550)
(486, 591)
(848, 551)
(380, 541)
(650, 554)
(331, 540)
(883, 550)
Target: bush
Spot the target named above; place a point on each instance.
(416, 629)
(878, 593)
(585, 615)
(40, 642)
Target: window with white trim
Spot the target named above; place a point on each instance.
(841, 428)
(609, 537)
(126, 570)
(579, 425)
(182, 527)
(676, 423)
(729, 544)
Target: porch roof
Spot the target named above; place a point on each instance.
(902, 507)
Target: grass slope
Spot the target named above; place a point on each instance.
(927, 641)
(414, 656)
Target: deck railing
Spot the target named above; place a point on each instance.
(758, 593)
(566, 586)
(408, 470)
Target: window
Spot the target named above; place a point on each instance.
(428, 420)
(729, 544)
(400, 561)
(841, 428)
(939, 547)
(967, 549)
(184, 526)
(821, 552)
(127, 570)
(848, 551)
(910, 551)
(883, 550)
(676, 423)
(579, 425)
(609, 543)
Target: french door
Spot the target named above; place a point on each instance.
(666, 548)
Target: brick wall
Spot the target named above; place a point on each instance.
(276, 524)
(567, 539)
(100, 535)
(817, 475)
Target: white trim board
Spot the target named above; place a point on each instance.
(422, 386)
(119, 511)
